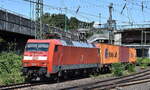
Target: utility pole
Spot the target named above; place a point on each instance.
(110, 12)
(38, 15)
(111, 24)
(65, 29)
(142, 39)
(100, 19)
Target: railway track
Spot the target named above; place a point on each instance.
(140, 77)
(119, 84)
(17, 86)
(134, 82)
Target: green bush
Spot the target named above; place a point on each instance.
(143, 62)
(131, 67)
(139, 61)
(146, 61)
(10, 68)
(117, 69)
(144, 65)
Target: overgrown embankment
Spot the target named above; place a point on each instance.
(10, 68)
(119, 69)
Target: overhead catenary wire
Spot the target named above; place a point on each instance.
(83, 14)
(94, 5)
(129, 17)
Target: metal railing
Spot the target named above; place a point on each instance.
(134, 26)
(13, 22)
(98, 36)
(124, 27)
(15, 13)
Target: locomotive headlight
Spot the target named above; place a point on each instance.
(42, 57)
(27, 58)
(35, 58)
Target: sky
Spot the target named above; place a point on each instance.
(133, 11)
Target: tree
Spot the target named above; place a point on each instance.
(73, 23)
(58, 20)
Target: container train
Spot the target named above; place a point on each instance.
(54, 58)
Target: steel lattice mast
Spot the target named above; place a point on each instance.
(38, 15)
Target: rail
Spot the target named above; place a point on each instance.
(114, 82)
(106, 84)
(15, 86)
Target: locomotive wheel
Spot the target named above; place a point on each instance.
(28, 79)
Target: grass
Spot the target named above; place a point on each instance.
(10, 68)
(131, 68)
(143, 62)
(118, 69)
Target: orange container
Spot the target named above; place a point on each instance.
(113, 54)
(132, 55)
(124, 54)
(108, 53)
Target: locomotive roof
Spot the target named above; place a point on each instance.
(77, 44)
(65, 42)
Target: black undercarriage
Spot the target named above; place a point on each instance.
(34, 73)
(40, 73)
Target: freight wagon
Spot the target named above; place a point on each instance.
(53, 58)
(115, 54)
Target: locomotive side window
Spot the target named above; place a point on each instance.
(37, 46)
(69, 42)
(56, 48)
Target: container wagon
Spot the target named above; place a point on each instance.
(115, 54)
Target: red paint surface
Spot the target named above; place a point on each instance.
(67, 55)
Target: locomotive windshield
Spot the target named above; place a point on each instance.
(37, 46)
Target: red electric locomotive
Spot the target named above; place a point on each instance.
(52, 57)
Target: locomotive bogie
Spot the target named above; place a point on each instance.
(34, 73)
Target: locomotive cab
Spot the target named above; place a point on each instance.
(37, 53)
(35, 59)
